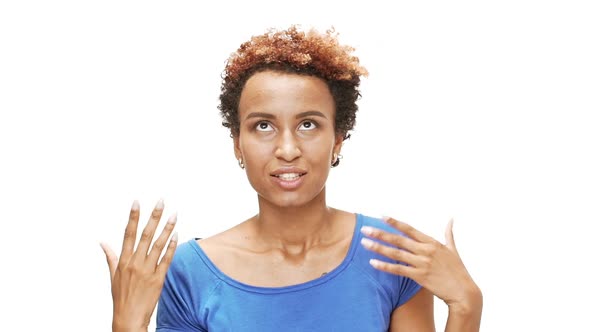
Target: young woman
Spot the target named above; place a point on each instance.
(289, 100)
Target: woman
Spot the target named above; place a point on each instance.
(289, 101)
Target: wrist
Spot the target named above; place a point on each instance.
(470, 305)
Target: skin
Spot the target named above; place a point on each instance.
(437, 267)
(137, 277)
(287, 123)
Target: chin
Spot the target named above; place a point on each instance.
(290, 200)
(278, 197)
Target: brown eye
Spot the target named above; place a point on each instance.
(263, 126)
(307, 125)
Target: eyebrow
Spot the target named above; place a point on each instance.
(310, 113)
(272, 116)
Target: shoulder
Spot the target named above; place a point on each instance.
(189, 272)
(221, 249)
(189, 267)
(187, 287)
(186, 254)
(396, 286)
(379, 223)
(202, 260)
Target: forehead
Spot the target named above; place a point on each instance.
(278, 92)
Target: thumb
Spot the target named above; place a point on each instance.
(449, 236)
(112, 259)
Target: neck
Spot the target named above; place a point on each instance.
(299, 227)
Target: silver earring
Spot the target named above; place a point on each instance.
(336, 159)
(241, 163)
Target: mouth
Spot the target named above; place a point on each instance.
(289, 179)
(288, 176)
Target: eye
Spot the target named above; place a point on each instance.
(263, 126)
(307, 125)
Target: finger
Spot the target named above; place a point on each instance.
(391, 252)
(130, 232)
(112, 259)
(408, 230)
(167, 258)
(399, 269)
(393, 239)
(449, 235)
(150, 229)
(158, 246)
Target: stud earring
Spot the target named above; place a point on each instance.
(241, 163)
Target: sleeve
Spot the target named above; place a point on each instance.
(407, 289)
(174, 311)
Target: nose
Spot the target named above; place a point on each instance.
(287, 147)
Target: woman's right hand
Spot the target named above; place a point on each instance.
(137, 276)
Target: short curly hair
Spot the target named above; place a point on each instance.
(295, 51)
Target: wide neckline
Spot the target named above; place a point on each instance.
(289, 288)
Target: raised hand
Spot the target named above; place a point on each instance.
(435, 266)
(137, 277)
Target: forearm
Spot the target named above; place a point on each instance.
(466, 317)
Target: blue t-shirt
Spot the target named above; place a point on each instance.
(353, 297)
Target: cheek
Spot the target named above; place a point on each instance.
(255, 152)
(319, 152)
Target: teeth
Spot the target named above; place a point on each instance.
(289, 176)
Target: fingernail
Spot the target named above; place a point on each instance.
(366, 242)
(174, 237)
(374, 262)
(160, 204)
(172, 219)
(135, 205)
(367, 230)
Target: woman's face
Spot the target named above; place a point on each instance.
(287, 137)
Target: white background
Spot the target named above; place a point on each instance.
(472, 110)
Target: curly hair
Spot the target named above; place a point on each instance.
(295, 51)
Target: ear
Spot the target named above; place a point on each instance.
(338, 143)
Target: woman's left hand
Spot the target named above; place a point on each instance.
(434, 266)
